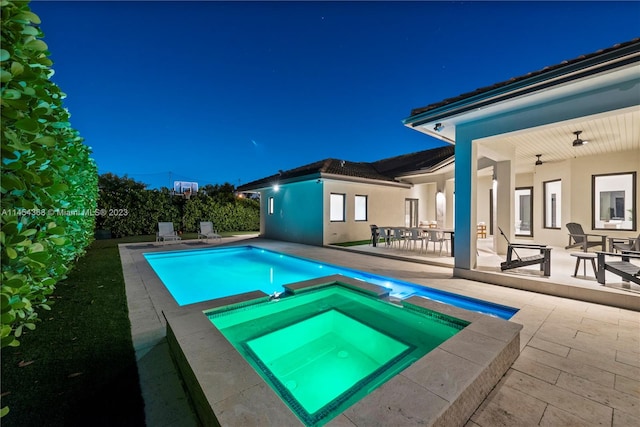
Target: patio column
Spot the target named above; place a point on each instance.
(466, 172)
(504, 212)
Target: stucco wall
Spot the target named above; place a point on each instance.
(484, 184)
(576, 175)
(385, 206)
(298, 213)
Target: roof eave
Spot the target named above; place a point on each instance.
(605, 62)
(430, 170)
(276, 180)
(365, 180)
(317, 175)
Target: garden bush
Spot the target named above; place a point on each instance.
(132, 210)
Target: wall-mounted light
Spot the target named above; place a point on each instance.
(276, 187)
(438, 127)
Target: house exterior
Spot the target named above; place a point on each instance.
(521, 164)
(499, 130)
(332, 201)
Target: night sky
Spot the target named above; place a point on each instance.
(218, 92)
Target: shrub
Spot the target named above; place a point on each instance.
(49, 181)
(131, 210)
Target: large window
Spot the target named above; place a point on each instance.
(613, 201)
(360, 204)
(336, 207)
(552, 203)
(524, 211)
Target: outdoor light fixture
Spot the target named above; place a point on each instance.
(578, 142)
(438, 127)
(276, 187)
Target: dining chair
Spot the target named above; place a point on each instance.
(398, 237)
(413, 237)
(385, 234)
(437, 237)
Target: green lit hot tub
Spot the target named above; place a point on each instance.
(324, 349)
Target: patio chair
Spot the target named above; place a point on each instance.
(397, 236)
(628, 271)
(578, 238)
(631, 245)
(543, 258)
(166, 232)
(385, 235)
(413, 237)
(437, 237)
(207, 231)
(375, 235)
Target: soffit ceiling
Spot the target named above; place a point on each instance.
(606, 133)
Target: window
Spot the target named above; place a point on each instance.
(552, 203)
(613, 201)
(524, 211)
(336, 207)
(270, 205)
(360, 204)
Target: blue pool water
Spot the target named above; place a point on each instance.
(204, 274)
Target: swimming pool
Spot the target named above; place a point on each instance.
(205, 274)
(324, 349)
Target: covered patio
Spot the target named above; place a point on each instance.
(561, 282)
(537, 152)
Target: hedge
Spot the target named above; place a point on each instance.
(49, 181)
(132, 210)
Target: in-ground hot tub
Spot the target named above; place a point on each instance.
(444, 386)
(324, 349)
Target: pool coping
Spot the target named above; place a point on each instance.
(443, 388)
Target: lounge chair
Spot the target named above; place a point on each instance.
(543, 258)
(166, 232)
(578, 238)
(630, 245)
(624, 268)
(207, 231)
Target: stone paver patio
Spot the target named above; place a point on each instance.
(579, 362)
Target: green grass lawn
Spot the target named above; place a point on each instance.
(78, 367)
(354, 243)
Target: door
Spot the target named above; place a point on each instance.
(411, 212)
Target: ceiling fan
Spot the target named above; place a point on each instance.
(579, 142)
(539, 161)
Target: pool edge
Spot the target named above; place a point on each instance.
(486, 348)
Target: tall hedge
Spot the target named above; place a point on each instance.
(49, 181)
(239, 215)
(130, 210)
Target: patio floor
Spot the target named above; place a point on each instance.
(579, 362)
(583, 287)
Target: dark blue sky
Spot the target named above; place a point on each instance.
(220, 92)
